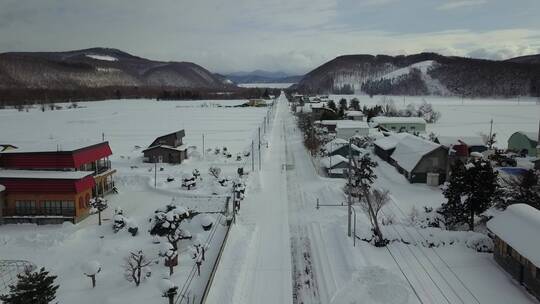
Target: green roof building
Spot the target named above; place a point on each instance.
(524, 142)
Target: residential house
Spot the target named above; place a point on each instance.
(516, 248)
(411, 125)
(340, 146)
(345, 129)
(330, 125)
(335, 166)
(168, 148)
(524, 142)
(354, 115)
(417, 158)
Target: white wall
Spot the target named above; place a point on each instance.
(346, 133)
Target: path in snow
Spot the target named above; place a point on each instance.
(265, 274)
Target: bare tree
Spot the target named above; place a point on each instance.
(135, 266)
(171, 256)
(215, 172)
(377, 199)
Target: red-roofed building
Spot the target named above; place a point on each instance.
(47, 186)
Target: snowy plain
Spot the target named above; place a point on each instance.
(272, 85)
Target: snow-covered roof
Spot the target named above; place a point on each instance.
(354, 113)
(52, 146)
(389, 142)
(327, 122)
(352, 124)
(338, 143)
(530, 135)
(518, 226)
(179, 148)
(410, 150)
(384, 119)
(333, 160)
(455, 140)
(318, 105)
(335, 144)
(44, 174)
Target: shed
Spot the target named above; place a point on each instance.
(400, 124)
(346, 129)
(523, 142)
(168, 148)
(415, 157)
(516, 247)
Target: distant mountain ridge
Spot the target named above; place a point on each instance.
(98, 68)
(425, 74)
(260, 76)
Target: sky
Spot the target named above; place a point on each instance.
(293, 36)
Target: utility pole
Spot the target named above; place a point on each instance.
(155, 175)
(203, 150)
(252, 157)
(102, 136)
(349, 199)
(490, 142)
(259, 148)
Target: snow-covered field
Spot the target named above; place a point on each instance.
(129, 126)
(266, 85)
(469, 117)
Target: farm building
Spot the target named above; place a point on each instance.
(400, 124)
(354, 115)
(340, 146)
(46, 197)
(168, 148)
(335, 166)
(65, 157)
(523, 142)
(515, 250)
(346, 129)
(385, 146)
(419, 160)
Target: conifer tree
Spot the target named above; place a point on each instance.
(32, 287)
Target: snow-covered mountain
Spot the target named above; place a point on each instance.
(423, 74)
(98, 68)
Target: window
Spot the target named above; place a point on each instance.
(59, 207)
(25, 207)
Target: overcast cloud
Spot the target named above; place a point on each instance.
(289, 35)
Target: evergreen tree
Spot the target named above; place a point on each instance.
(32, 287)
(470, 192)
(332, 105)
(355, 104)
(453, 210)
(342, 107)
